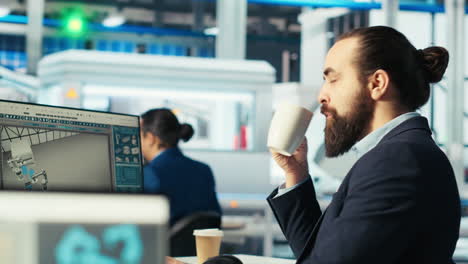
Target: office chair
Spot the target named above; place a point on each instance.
(181, 233)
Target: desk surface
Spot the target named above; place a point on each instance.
(246, 259)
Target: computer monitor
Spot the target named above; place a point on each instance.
(65, 149)
(84, 228)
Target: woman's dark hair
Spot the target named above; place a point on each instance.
(162, 123)
(410, 70)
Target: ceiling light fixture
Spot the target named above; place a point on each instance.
(114, 19)
(213, 31)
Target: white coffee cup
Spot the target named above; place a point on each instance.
(288, 128)
(208, 242)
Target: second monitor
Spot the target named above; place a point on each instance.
(65, 149)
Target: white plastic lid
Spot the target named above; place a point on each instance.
(208, 232)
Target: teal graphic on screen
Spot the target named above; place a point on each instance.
(28, 173)
(95, 243)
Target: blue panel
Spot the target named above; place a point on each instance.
(72, 43)
(23, 59)
(13, 59)
(129, 47)
(52, 22)
(55, 45)
(424, 8)
(167, 49)
(116, 46)
(11, 42)
(22, 43)
(148, 30)
(69, 43)
(211, 53)
(2, 57)
(179, 50)
(202, 52)
(420, 7)
(79, 44)
(101, 45)
(155, 49)
(63, 44)
(14, 19)
(46, 45)
(319, 3)
(10, 55)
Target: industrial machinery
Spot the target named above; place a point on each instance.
(22, 157)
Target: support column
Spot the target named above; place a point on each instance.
(455, 11)
(431, 99)
(158, 13)
(198, 15)
(231, 17)
(390, 11)
(198, 24)
(314, 43)
(34, 29)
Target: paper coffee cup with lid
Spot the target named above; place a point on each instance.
(208, 242)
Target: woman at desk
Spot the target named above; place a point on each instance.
(189, 184)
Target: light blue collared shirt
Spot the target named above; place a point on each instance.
(370, 141)
(366, 144)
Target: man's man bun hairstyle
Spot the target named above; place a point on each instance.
(410, 70)
(434, 62)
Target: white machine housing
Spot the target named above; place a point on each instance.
(67, 75)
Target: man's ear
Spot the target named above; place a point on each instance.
(379, 84)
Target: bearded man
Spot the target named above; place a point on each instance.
(399, 203)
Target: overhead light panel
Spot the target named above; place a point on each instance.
(213, 31)
(114, 19)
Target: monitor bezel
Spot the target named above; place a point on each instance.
(70, 108)
(83, 207)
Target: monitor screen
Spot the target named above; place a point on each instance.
(64, 149)
(82, 228)
(96, 243)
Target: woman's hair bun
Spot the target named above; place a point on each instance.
(186, 132)
(435, 61)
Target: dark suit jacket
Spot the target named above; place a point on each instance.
(189, 184)
(399, 203)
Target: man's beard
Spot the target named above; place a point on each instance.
(342, 132)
